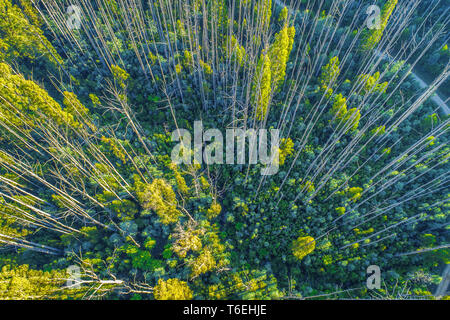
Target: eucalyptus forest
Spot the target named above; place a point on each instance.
(93, 206)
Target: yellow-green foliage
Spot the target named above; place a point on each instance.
(206, 67)
(9, 225)
(355, 193)
(237, 51)
(187, 59)
(104, 173)
(374, 36)
(362, 232)
(204, 182)
(181, 183)
(329, 75)
(77, 109)
(355, 245)
(351, 119)
(214, 211)
(115, 147)
(73, 105)
(279, 52)
(303, 246)
(261, 86)
(291, 35)
(172, 289)
(160, 197)
(219, 13)
(23, 283)
(283, 15)
(251, 284)
(271, 69)
(124, 209)
(25, 104)
(327, 259)
(200, 246)
(308, 186)
(180, 28)
(263, 9)
(378, 130)
(120, 75)
(339, 109)
(187, 239)
(178, 68)
(20, 38)
(286, 149)
(203, 263)
(213, 242)
(370, 83)
(5, 158)
(343, 117)
(94, 99)
(153, 58)
(31, 12)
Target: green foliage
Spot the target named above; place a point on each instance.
(286, 149)
(21, 38)
(120, 75)
(22, 283)
(214, 210)
(283, 15)
(203, 263)
(262, 86)
(86, 176)
(279, 52)
(303, 246)
(172, 289)
(236, 51)
(348, 119)
(141, 258)
(370, 84)
(21, 96)
(372, 37)
(10, 218)
(159, 196)
(263, 9)
(339, 109)
(329, 75)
